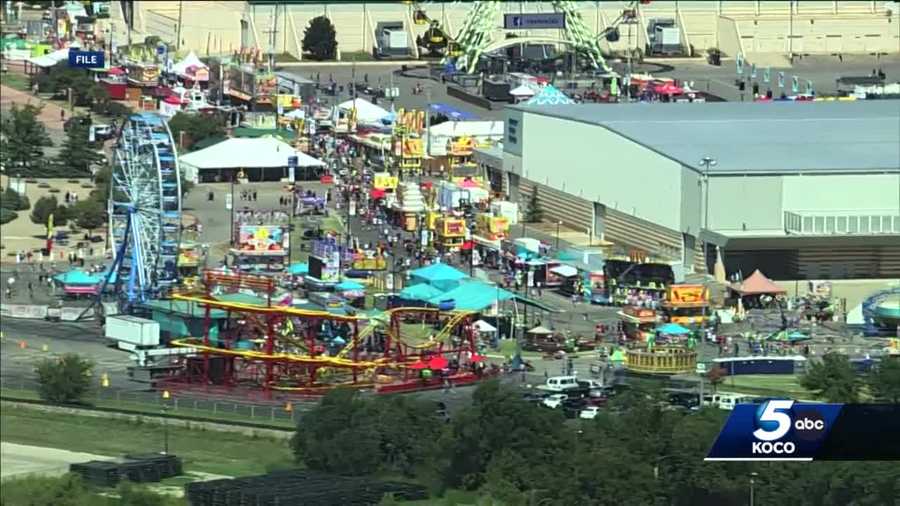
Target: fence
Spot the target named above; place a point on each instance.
(177, 405)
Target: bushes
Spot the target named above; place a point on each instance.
(7, 216)
(12, 201)
(65, 379)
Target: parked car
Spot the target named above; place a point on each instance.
(687, 400)
(589, 413)
(533, 397)
(102, 132)
(554, 401)
(559, 383)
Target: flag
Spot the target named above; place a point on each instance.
(795, 84)
(50, 233)
(767, 75)
(739, 61)
(809, 88)
(752, 71)
(781, 79)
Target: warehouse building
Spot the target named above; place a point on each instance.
(801, 190)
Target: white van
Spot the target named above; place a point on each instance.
(729, 401)
(559, 383)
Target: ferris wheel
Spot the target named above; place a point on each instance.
(145, 209)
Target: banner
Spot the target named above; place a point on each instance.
(263, 240)
(767, 75)
(781, 79)
(24, 311)
(795, 84)
(739, 62)
(687, 295)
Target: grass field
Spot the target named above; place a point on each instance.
(767, 384)
(202, 451)
(16, 81)
(153, 409)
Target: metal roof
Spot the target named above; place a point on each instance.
(755, 138)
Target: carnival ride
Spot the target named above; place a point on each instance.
(476, 37)
(283, 349)
(144, 209)
(879, 315)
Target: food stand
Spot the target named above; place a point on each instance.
(450, 232)
(638, 322)
(492, 228)
(687, 304)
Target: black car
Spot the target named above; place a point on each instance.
(533, 396)
(687, 400)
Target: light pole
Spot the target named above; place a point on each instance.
(706, 163)
(558, 223)
(165, 409)
(752, 486)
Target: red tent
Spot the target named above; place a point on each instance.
(438, 363)
(758, 284)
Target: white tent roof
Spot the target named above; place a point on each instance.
(470, 128)
(296, 114)
(249, 153)
(366, 112)
(191, 60)
(50, 59)
(522, 91)
(483, 326)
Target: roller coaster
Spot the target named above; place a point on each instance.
(280, 349)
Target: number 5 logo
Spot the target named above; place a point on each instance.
(773, 423)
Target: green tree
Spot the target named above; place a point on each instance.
(88, 214)
(44, 207)
(22, 140)
(197, 127)
(77, 156)
(65, 379)
(833, 379)
(7, 215)
(884, 382)
(319, 39)
(10, 199)
(102, 177)
(534, 213)
(62, 78)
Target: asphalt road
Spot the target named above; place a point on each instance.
(19, 460)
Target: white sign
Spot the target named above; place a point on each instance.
(228, 197)
(701, 368)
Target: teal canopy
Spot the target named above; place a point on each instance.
(77, 277)
(349, 286)
(439, 275)
(422, 291)
(473, 296)
(549, 95)
(298, 269)
(673, 329)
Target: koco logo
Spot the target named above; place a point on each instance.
(773, 422)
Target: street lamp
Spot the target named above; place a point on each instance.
(706, 162)
(558, 223)
(752, 486)
(165, 409)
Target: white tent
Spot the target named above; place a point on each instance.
(245, 153)
(50, 59)
(522, 91)
(296, 114)
(481, 131)
(366, 112)
(191, 60)
(483, 326)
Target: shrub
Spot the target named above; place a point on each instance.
(11, 200)
(65, 379)
(7, 215)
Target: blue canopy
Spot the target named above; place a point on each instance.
(438, 272)
(549, 95)
(349, 286)
(673, 329)
(422, 291)
(77, 277)
(473, 296)
(298, 269)
(453, 113)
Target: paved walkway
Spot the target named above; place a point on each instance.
(18, 460)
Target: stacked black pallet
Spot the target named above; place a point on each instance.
(149, 468)
(308, 488)
(97, 472)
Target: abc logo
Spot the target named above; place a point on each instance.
(773, 421)
(808, 425)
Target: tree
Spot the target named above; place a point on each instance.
(533, 212)
(716, 376)
(44, 207)
(13, 201)
(62, 78)
(884, 382)
(319, 39)
(833, 379)
(22, 140)
(88, 214)
(65, 379)
(7, 216)
(76, 156)
(197, 127)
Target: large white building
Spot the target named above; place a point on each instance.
(798, 189)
